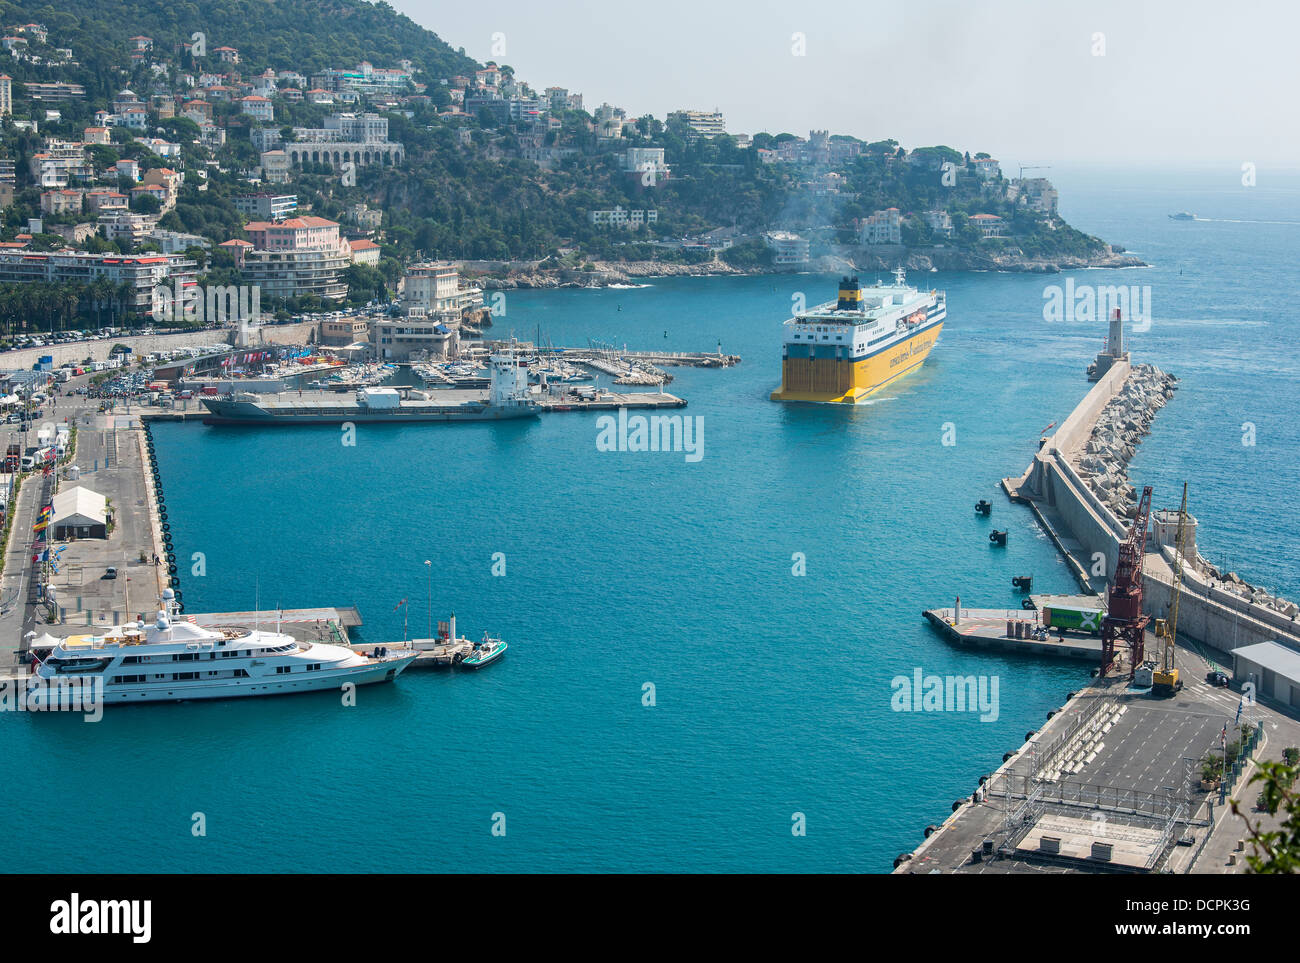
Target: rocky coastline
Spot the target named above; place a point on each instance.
(607, 273)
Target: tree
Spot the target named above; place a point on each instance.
(1275, 851)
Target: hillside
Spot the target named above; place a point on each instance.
(310, 34)
(512, 185)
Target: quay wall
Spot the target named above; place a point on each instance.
(79, 351)
(1076, 428)
(1093, 525)
(1215, 617)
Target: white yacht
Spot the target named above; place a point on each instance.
(175, 659)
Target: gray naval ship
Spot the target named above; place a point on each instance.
(507, 397)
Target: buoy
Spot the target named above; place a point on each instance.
(983, 507)
(998, 538)
(1052, 713)
(171, 569)
(1030, 734)
(930, 830)
(1007, 755)
(1027, 604)
(958, 804)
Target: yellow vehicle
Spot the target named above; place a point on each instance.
(1166, 680)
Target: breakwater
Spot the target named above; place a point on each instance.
(1120, 427)
(1079, 489)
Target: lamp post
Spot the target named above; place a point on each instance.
(429, 565)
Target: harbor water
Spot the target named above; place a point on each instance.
(628, 578)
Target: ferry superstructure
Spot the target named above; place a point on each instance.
(174, 659)
(844, 351)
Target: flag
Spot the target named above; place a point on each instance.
(1240, 703)
(1223, 736)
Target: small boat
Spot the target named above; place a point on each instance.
(1183, 216)
(489, 650)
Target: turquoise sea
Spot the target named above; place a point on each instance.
(772, 691)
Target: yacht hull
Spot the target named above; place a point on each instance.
(331, 680)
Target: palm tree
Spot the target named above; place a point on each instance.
(126, 294)
(101, 290)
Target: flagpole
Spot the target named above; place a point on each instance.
(429, 565)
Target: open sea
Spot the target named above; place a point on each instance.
(771, 690)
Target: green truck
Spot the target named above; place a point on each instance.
(1080, 620)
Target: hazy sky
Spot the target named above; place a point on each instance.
(1179, 83)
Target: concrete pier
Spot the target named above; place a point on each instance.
(433, 653)
(1109, 783)
(987, 629)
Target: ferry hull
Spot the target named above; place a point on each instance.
(830, 381)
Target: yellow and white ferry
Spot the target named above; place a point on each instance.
(846, 350)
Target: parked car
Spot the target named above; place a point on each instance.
(1218, 679)
(110, 572)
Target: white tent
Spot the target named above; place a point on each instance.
(79, 508)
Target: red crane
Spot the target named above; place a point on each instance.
(1124, 624)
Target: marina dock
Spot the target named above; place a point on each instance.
(434, 653)
(611, 400)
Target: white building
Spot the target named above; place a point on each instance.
(257, 107)
(646, 160)
(275, 167)
(883, 227)
(708, 123)
(621, 218)
(433, 289)
(940, 222)
(787, 249)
